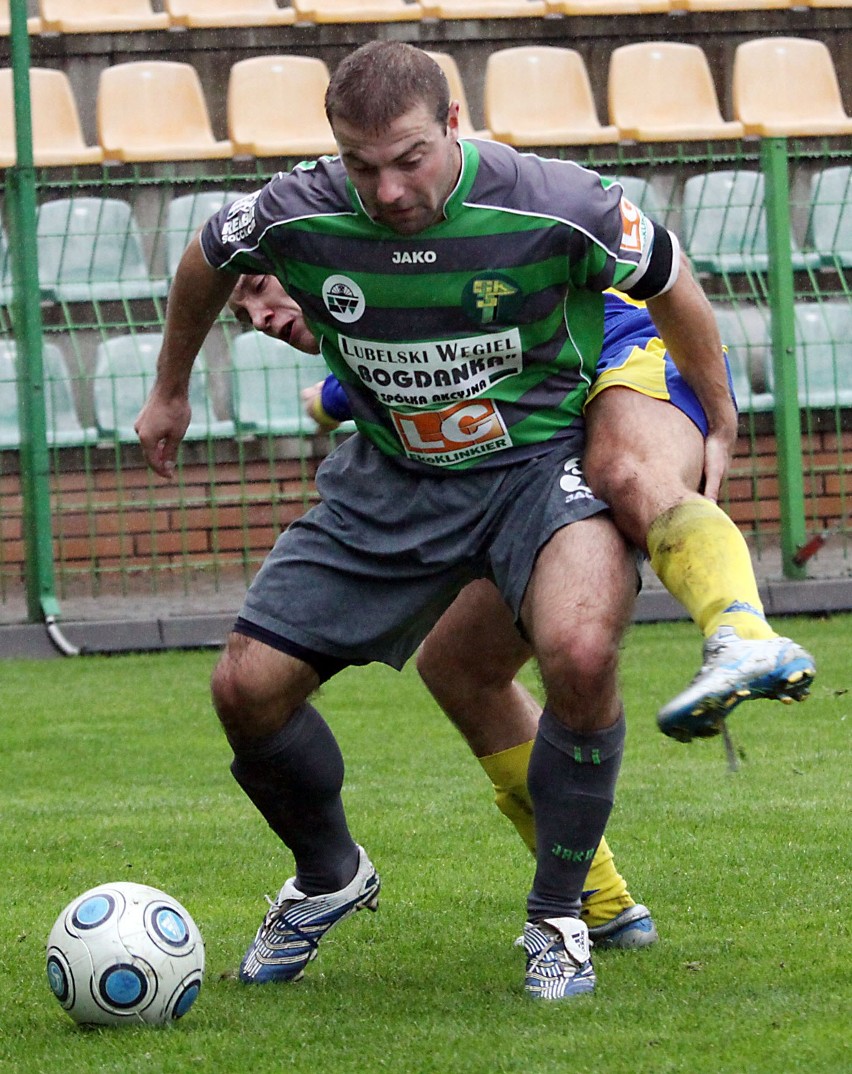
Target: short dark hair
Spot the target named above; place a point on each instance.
(381, 81)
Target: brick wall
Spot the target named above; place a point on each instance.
(114, 519)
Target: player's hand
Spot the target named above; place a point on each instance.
(312, 399)
(718, 452)
(161, 425)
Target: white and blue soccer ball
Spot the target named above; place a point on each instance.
(125, 954)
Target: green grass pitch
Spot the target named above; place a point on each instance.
(114, 768)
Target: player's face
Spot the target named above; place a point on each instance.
(262, 303)
(404, 173)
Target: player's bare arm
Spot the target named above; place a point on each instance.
(197, 295)
(686, 324)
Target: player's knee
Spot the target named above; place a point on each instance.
(584, 662)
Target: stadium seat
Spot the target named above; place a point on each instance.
(203, 13)
(63, 425)
(155, 110)
(33, 22)
(724, 224)
(90, 249)
(457, 93)
(356, 11)
(57, 134)
(541, 96)
(830, 225)
(606, 7)
(729, 5)
(787, 86)
(643, 195)
(100, 16)
(823, 333)
(262, 122)
(745, 332)
(125, 368)
(664, 91)
(268, 377)
(483, 9)
(184, 217)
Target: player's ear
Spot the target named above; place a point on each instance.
(453, 119)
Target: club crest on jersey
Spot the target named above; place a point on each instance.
(492, 299)
(343, 298)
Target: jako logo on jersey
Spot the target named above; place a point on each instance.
(414, 257)
(573, 482)
(343, 298)
(492, 299)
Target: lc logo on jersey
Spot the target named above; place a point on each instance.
(458, 432)
(343, 298)
(492, 299)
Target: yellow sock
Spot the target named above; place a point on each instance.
(607, 891)
(703, 560)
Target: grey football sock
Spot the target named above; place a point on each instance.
(294, 778)
(571, 781)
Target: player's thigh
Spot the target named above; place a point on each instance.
(653, 435)
(475, 639)
(643, 457)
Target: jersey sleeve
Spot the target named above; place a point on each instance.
(231, 238)
(624, 248)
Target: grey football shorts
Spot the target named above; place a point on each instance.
(366, 574)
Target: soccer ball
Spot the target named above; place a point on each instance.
(124, 954)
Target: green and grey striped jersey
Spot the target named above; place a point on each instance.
(472, 342)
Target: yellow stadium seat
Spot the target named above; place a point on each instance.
(57, 135)
(100, 16)
(730, 5)
(356, 11)
(787, 86)
(263, 120)
(203, 13)
(155, 110)
(457, 93)
(540, 95)
(663, 91)
(607, 7)
(483, 9)
(33, 23)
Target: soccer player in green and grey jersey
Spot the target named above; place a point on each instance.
(455, 289)
(474, 341)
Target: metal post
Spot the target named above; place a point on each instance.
(788, 437)
(35, 461)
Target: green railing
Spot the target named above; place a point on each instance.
(82, 518)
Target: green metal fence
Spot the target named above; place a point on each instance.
(768, 226)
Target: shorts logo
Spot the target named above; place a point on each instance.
(573, 482)
(343, 298)
(492, 299)
(442, 437)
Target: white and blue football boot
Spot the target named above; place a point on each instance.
(734, 670)
(558, 962)
(631, 929)
(295, 923)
